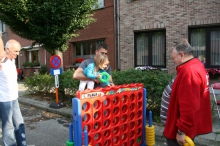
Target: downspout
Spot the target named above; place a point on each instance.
(118, 35)
(45, 57)
(115, 35)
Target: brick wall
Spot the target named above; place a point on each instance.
(174, 15)
(103, 28)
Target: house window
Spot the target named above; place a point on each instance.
(206, 45)
(32, 56)
(99, 5)
(150, 49)
(86, 49)
(2, 26)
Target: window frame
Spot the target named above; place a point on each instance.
(82, 49)
(150, 58)
(2, 27)
(207, 41)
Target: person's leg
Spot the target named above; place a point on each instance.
(7, 124)
(82, 85)
(90, 85)
(18, 124)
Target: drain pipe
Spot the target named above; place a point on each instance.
(115, 35)
(118, 35)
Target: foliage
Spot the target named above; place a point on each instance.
(30, 64)
(51, 23)
(67, 83)
(39, 83)
(45, 83)
(43, 69)
(154, 81)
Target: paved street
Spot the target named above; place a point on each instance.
(43, 128)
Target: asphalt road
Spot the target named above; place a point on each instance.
(43, 128)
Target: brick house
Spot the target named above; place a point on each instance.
(141, 32)
(80, 47)
(149, 28)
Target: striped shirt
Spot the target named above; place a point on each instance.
(165, 101)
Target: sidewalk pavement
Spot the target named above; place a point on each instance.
(211, 139)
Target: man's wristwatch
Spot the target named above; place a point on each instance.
(180, 132)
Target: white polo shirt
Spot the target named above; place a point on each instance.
(8, 81)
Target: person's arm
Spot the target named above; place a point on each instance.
(78, 74)
(90, 72)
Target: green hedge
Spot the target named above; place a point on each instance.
(154, 81)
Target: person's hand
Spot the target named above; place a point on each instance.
(112, 84)
(180, 139)
(97, 80)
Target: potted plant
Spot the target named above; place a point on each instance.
(79, 60)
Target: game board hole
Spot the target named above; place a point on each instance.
(132, 97)
(87, 128)
(85, 106)
(132, 133)
(115, 140)
(116, 120)
(107, 143)
(106, 102)
(139, 122)
(124, 118)
(97, 115)
(139, 105)
(96, 104)
(116, 111)
(124, 128)
(132, 142)
(124, 109)
(97, 137)
(139, 114)
(115, 100)
(98, 144)
(86, 118)
(106, 123)
(115, 130)
(124, 144)
(124, 99)
(106, 113)
(132, 124)
(138, 140)
(132, 106)
(124, 137)
(107, 133)
(140, 96)
(139, 131)
(97, 126)
(132, 116)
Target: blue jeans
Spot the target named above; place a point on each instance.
(13, 131)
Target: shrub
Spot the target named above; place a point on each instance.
(39, 83)
(43, 69)
(154, 81)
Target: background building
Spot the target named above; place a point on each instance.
(149, 28)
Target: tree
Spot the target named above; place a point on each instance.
(48, 22)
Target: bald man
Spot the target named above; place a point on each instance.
(2, 52)
(13, 129)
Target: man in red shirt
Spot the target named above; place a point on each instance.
(189, 111)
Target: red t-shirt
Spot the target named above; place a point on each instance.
(18, 71)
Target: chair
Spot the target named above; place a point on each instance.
(215, 87)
